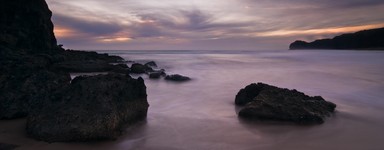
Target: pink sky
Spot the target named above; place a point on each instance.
(207, 25)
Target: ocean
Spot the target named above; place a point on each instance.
(201, 115)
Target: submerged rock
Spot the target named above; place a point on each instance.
(156, 74)
(91, 108)
(177, 77)
(266, 102)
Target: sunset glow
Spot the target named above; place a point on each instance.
(61, 32)
(117, 39)
(337, 30)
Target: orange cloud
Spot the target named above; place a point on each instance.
(335, 30)
(62, 32)
(114, 39)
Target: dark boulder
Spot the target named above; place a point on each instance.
(140, 68)
(26, 25)
(248, 93)
(273, 103)
(91, 108)
(177, 77)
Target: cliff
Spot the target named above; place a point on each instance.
(26, 25)
(366, 39)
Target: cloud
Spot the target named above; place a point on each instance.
(87, 26)
(171, 24)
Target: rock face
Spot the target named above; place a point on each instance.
(22, 80)
(367, 39)
(91, 108)
(265, 102)
(34, 81)
(26, 25)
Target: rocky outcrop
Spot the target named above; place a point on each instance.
(81, 61)
(177, 77)
(367, 39)
(26, 25)
(265, 102)
(91, 108)
(35, 81)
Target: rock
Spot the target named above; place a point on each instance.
(31, 63)
(19, 79)
(273, 103)
(79, 61)
(26, 25)
(177, 77)
(121, 68)
(19, 98)
(151, 64)
(37, 90)
(156, 74)
(88, 56)
(248, 93)
(84, 66)
(140, 68)
(91, 108)
(7, 146)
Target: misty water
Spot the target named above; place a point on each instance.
(200, 114)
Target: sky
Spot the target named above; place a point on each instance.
(207, 24)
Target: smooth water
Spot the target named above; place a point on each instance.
(201, 114)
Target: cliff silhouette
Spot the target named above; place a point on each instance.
(372, 39)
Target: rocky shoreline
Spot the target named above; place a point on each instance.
(35, 83)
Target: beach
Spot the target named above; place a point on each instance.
(200, 114)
